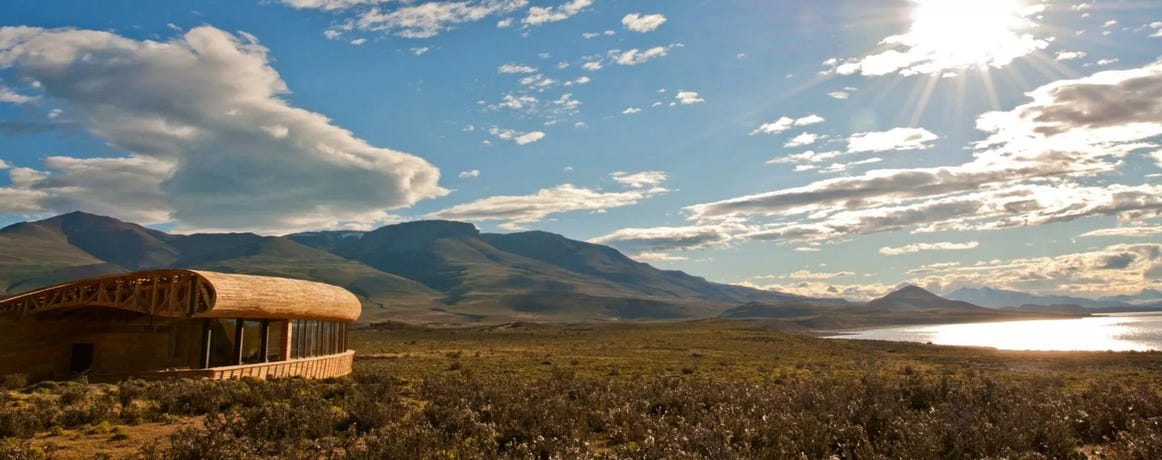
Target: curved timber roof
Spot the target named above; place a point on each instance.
(194, 294)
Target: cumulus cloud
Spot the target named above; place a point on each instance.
(1070, 55)
(644, 179)
(670, 238)
(823, 289)
(1112, 270)
(801, 140)
(330, 5)
(520, 210)
(1036, 166)
(469, 173)
(538, 15)
(810, 275)
(634, 56)
(1134, 231)
(520, 138)
(893, 139)
(516, 68)
(210, 142)
(408, 19)
(688, 97)
(642, 22)
(839, 94)
(655, 257)
(918, 247)
(785, 123)
(528, 105)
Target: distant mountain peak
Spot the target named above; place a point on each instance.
(912, 297)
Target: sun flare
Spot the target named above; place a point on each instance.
(961, 34)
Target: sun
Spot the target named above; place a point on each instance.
(955, 34)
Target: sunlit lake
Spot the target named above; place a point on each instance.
(1119, 332)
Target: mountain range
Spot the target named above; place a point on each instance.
(438, 271)
(1001, 298)
(450, 272)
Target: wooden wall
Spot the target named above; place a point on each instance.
(41, 346)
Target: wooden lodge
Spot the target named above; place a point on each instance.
(178, 323)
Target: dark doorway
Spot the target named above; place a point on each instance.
(82, 358)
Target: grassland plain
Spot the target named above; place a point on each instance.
(702, 389)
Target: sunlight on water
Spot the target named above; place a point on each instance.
(1121, 332)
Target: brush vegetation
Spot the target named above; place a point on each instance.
(707, 389)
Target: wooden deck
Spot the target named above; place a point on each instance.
(318, 367)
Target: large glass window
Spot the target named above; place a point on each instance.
(251, 342)
(222, 337)
(317, 338)
(276, 340)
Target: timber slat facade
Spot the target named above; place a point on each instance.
(178, 323)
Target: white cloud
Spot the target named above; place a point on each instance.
(540, 15)
(801, 140)
(330, 5)
(1070, 55)
(893, 139)
(518, 210)
(839, 95)
(1116, 269)
(785, 123)
(821, 289)
(809, 156)
(670, 238)
(1157, 26)
(644, 179)
(578, 81)
(630, 111)
(10, 97)
(810, 275)
(648, 257)
(207, 133)
(636, 56)
(1036, 166)
(409, 20)
(469, 173)
(529, 137)
(516, 68)
(504, 23)
(360, 41)
(1105, 62)
(642, 22)
(516, 136)
(688, 97)
(1133, 231)
(918, 247)
(592, 66)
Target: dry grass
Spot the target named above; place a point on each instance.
(705, 389)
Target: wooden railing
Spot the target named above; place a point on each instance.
(318, 367)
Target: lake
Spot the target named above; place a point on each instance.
(1119, 332)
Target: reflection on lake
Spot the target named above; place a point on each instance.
(1120, 332)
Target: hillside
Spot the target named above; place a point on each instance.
(1001, 298)
(911, 298)
(438, 271)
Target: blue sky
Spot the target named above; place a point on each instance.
(823, 148)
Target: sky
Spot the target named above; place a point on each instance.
(829, 148)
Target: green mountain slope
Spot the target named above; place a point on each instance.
(418, 271)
